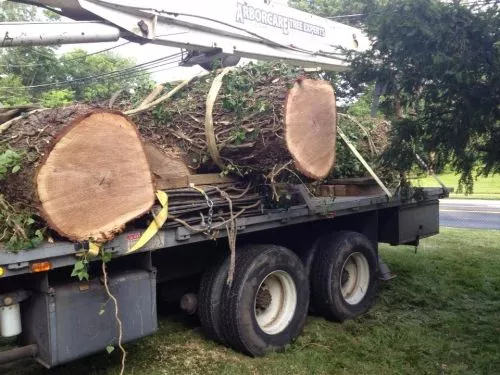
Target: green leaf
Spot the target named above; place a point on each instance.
(79, 266)
(106, 256)
(110, 349)
(16, 168)
(80, 270)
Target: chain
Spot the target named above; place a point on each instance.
(210, 213)
(210, 205)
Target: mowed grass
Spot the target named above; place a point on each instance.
(441, 315)
(484, 187)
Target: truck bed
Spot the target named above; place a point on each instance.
(62, 253)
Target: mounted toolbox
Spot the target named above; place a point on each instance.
(409, 223)
(75, 319)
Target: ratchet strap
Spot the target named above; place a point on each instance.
(363, 161)
(156, 224)
(153, 228)
(200, 190)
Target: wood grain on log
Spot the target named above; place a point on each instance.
(310, 126)
(95, 179)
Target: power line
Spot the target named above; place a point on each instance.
(138, 73)
(69, 60)
(127, 76)
(148, 65)
(348, 16)
(135, 75)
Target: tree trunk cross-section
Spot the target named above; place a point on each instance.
(95, 179)
(310, 127)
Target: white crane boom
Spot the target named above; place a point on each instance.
(258, 29)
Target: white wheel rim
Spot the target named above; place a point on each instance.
(275, 302)
(354, 278)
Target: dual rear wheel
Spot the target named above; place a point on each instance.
(266, 305)
(343, 275)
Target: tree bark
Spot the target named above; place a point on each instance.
(260, 120)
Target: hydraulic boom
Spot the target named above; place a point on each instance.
(258, 29)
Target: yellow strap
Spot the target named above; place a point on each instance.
(94, 249)
(213, 150)
(200, 190)
(363, 161)
(156, 224)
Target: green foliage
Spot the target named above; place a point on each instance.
(106, 256)
(57, 98)
(80, 269)
(142, 88)
(440, 63)
(18, 230)
(362, 106)
(110, 349)
(77, 64)
(10, 12)
(238, 94)
(13, 97)
(369, 137)
(10, 162)
(31, 66)
(35, 66)
(334, 8)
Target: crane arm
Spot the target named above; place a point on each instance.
(256, 29)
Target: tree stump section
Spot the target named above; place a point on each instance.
(95, 179)
(310, 127)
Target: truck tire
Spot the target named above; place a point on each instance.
(210, 300)
(265, 308)
(343, 277)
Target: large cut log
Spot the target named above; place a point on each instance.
(257, 121)
(87, 179)
(310, 118)
(168, 169)
(87, 173)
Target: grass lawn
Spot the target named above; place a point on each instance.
(484, 187)
(441, 315)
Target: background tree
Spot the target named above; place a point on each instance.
(344, 11)
(440, 65)
(437, 67)
(77, 64)
(11, 97)
(42, 75)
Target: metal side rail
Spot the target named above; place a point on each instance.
(62, 254)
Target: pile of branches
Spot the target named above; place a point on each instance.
(211, 207)
(248, 118)
(371, 137)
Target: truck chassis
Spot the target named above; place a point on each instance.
(63, 319)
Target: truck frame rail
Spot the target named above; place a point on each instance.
(63, 254)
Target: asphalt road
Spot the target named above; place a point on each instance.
(470, 213)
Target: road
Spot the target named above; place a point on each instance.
(470, 213)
